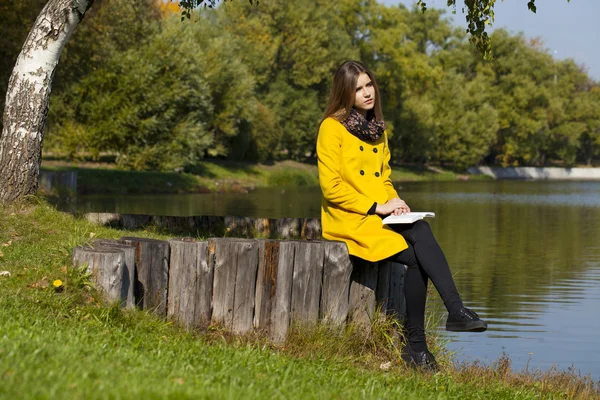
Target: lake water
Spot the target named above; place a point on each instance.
(526, 257)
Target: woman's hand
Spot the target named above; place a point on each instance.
(393, 206)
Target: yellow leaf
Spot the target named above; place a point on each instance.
(92, 234)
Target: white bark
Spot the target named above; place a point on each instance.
(28, 96)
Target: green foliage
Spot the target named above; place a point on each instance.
(249, 83)
(292, 177)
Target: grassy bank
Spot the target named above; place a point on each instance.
(66, 343)
(211, 176)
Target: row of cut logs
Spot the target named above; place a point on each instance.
(211, 225)
(244, 284)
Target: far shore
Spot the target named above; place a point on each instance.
(211, 176)
(538, 173)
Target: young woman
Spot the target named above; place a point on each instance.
(354, 174)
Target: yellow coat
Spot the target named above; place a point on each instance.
(354, 174)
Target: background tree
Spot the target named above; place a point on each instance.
(17, 18)
(266, 101)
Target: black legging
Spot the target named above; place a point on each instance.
(425, 260)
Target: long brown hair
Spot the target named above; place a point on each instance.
(343, 92)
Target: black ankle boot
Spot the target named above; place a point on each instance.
(422, 360)
(465, 320)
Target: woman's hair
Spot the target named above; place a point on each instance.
(343, 92)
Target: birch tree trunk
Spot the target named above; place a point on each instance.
(28, 96)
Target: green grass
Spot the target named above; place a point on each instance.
(217, 175)
(69, 344)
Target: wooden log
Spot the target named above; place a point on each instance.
(337, 269)
(190, 283)
(106, 266)
(262, 227)
(134, 221)
(128, 280)
(282, 301)
(287, 228)
(234, 289)
(382, 292)
(311, 229)
(152, 278)
(396, 301)
(174, 223)
(239, 226)
(362, 292)
(210, 225)
(266, 282)
(307, 281)
(103, 219)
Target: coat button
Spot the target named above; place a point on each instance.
(377, 174)
(361, 148)
(375, 150)
(362, 172)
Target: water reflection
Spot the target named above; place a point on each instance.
(526, 256)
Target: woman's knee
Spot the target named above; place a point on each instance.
(421, 230)
(418, 231)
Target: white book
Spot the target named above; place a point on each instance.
(407, 218)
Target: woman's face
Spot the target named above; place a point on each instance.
(365, 94)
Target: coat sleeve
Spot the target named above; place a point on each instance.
(387, 171)
(334, 188)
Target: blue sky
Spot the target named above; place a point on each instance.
(569, 30)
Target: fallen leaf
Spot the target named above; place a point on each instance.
(63, 270)
(7, 243)
(385, 366)
(5, 273)
(92, 234)
(1, 254)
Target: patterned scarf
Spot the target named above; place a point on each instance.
(359, 126)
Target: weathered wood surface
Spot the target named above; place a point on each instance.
(128, 281)
(152, 273)
(311, 229)
(210, 225)
(337, 269)
(134, 221)
(106, 266)
(235, 269)
(174, 224)
(217, 226)
(262, 227)
(104, 219)
(390, 289)
(266, 282)
(287, 228)
(282, 301)
(239, 226)
(243, 284)
(307, 281)
(363, 286)
(190, 283)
